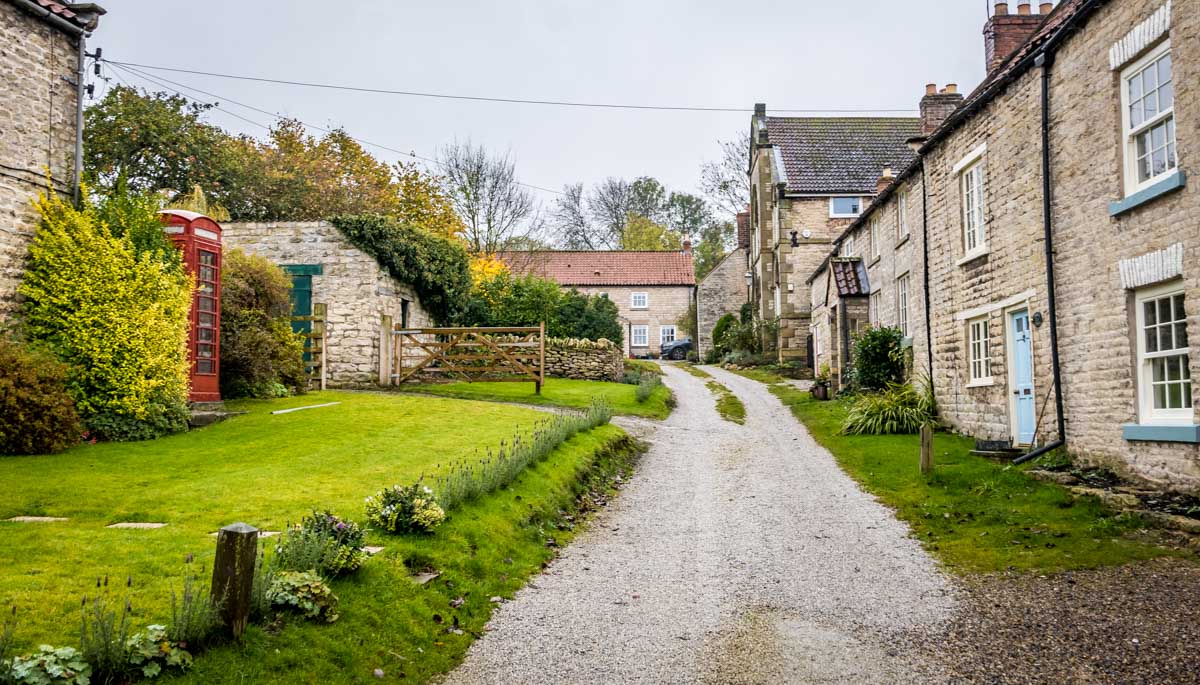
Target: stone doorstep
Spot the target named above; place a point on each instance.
(36, 519)
(1116, 500)
(139, 525)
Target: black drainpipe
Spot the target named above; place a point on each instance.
(1044, 61)
(925, 249)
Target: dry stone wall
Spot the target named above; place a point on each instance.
(600, 360)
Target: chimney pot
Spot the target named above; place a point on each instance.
(951, 88)
(1024, 8)
(930, 88)
(1002, 8)
(1045, 8)
(760, 109)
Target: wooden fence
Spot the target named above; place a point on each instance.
(312, 329)
(515, 354)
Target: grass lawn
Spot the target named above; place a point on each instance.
(974, 514)
(268, 470)
(558, 392)
(728, 405)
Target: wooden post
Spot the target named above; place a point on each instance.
(233, 575)
(927, 448)
(385, 350)
(541, 357)
(319, 310)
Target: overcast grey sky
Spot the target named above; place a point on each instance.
(802, 54)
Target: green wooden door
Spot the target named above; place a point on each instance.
(302, 306)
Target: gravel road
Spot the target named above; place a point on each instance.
(736, 554)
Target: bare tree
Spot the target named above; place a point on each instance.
(570, 217)
(726, 181)
(486, 194)
(609, 204)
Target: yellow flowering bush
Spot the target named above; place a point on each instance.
(411, 509)
(118, 319)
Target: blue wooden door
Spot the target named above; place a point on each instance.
(1022, 374)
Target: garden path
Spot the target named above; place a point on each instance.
(736, 554)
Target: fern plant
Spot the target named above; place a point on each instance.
(900, 408)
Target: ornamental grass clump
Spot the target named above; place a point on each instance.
(466, 480)
(646, 386)
(405, 509)
(901, 408)
(322, 542)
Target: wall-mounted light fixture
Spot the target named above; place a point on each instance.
(795, 239)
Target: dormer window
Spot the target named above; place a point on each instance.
(845, 207)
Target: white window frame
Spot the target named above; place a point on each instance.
(873, 307)
(662, 335)
(1147, 413)
(835, 215)
(633, 301)
(901, 217)
(817, 341)
(1130, 133)
(603, 294)
(642, 332)
(875, 247)
(902, 304)
(979, 352)
(972, 186)
(848, 247)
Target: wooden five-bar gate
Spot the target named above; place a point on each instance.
(516, 354)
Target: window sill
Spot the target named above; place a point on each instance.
(844, 216)
(638, 309)
(967, 259)
(981, 383)
(874, 261)
(1151, 433)
(1171, 183)
(903, 239)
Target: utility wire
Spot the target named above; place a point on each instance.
(155, 80)
(519, 101)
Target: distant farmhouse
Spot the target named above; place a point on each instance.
(41, 77)
(652, 290)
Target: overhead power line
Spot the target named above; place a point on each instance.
(161, 82)
(515, 101)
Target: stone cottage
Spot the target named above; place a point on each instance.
(810, 177)
(653, 290)
(724, 289)
(41, 72)
(359, 296)
(1059, 238)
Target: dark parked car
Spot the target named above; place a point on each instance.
(678, 349)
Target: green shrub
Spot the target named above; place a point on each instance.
(437, 268)
(193, 616)
(51, 666)
(305, 592)
(641, 366)
(259, 350)
(117, 320)
(900, 408)
(877, 359)
(718, 335)
(150, 651)
(405, 509)
(590, 317)
(508, 300)
(37, 414)
(103, 636)
(322, 542)
(646, 387)
(135, 216)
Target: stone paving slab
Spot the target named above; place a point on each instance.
(36, 519)
(137, 525)
(372, 550)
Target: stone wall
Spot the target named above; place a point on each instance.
(723, 291)
(601, 360)
(37, 131)
(357, 292)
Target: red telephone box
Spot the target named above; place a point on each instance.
(199, 239)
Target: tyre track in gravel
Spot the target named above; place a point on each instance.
(735, 554)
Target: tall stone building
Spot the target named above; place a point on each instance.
(809, 178)
(1058, 242)
(41, 65)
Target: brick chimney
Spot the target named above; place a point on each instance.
(687, 247)
(743, 228)
(885, 180)
(937, 105)
(1005, 32)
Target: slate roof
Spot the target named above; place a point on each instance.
(841, 154)
(613, 267)
(850, 275)
(83, 15)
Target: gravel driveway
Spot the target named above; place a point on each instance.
(736, 554)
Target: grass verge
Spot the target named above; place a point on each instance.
(975, 515)
(695, 370)
(558, 392)
(728, 405)
(643, 366)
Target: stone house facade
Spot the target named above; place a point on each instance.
(40, 69)
(810, 177)
(356, 291)
(1063, 304)
(653, 290)
(723, 290)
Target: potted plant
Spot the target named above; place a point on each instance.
(820, 388)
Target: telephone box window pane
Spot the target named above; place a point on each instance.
(208, 258)
(207, 273)
(204, 351)
(207, 288)
(204, 366)
(206, 334)
(208, 304)
(208, 320)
